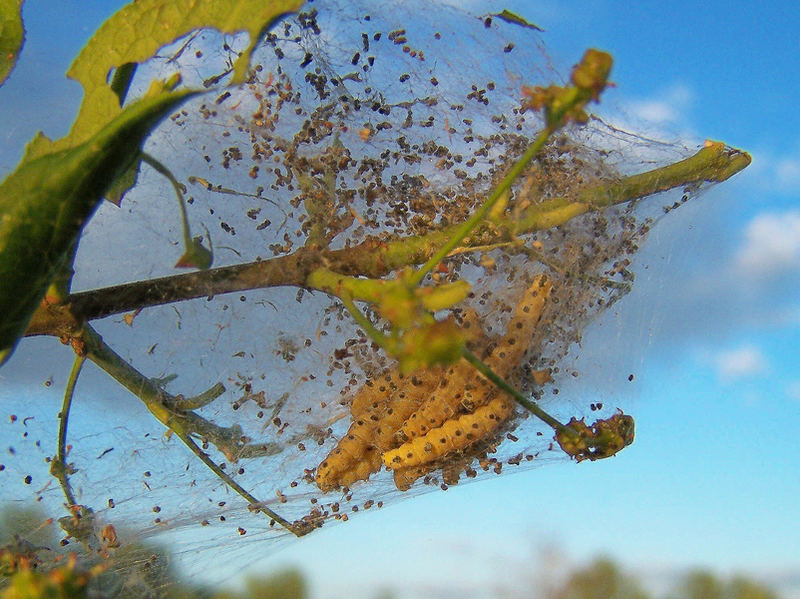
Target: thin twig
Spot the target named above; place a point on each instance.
(183, 47)
(469, 225)
(59, 467)
(255, 503)
(184, 404)
(165, 407)
(183, 424)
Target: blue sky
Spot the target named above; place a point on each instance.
(712, 326)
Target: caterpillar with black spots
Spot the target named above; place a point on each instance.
(378, 410)
(415, 424)
(461, 390)
(453, 435)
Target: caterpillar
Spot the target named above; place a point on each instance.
(453, 394)
(373, 393)
(404, 478)
(361, 470)
(508, 353)
(350, 451)
(462, 388)
(378, 409)
(453, 435)
(452, 468)
(459, 390)
(410, 423)
(376, 417)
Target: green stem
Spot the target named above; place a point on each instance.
(364, 322)
(358, 288)
(198, 401)
(163, 170)
(518, 397)
(469, 225)
(59, 467)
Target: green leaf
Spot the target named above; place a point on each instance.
(443, 296)
(123, 184)
(515, 19)
(12, 35)
(45, 203)
(440, 342)
(136, 32)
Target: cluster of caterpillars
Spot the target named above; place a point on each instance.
(416, 423)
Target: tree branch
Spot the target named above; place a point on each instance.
(167, 408)
(376, 258)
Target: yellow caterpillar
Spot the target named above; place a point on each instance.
(452, 467)
(459, 390)
(454, 393)
(462, 390)
(453, 435)
(350, 452)
(410, 422)
(508, 353)
(375, 392)
(378, 410)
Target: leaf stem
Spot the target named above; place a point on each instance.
(467, 227)
(163, 170)
(59, 467)
(518, 397)
(364, 322)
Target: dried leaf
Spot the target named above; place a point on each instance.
(515, 19)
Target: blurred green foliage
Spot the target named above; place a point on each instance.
(141, 570)
(603, 579)
(704, 585)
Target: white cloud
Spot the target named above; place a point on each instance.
(776, 171)
(787, 171)
(670, 107)
(742, 362)
(772, 244)
(793, 390)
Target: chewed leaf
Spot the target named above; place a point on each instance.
(515, 19)
(45, 203)
(137, 31)
(12, 35)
